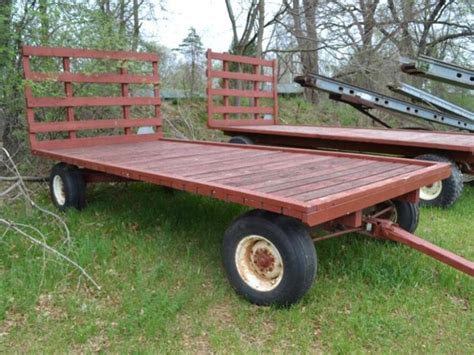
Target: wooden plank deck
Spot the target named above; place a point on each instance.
(305, 184)
(460, 142)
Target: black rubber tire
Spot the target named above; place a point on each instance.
(241, 140)
(292, 240)
(408, 215)
(451, 187)
(74, 187)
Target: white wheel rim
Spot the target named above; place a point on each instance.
(259, 263)
(58, 190)
(431, 192)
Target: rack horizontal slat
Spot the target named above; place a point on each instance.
(87, 53)
(242, 109)
(240, 93)
(45, 127)
(239, 59)
(239, 76)
(93, 78)
(36, 102)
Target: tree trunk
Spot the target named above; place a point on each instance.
(122, 23)
(5, 63)
(5, 39)
(307, 41)
(311, 61)
(136, 25)
(44, 21)
(261, 28)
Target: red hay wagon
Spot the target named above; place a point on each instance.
(268, 253)
(261, 125)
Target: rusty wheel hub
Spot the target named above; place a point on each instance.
(259, 263)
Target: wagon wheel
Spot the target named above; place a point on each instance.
(442, 193)
(67, 187)
(403, 213)
(241, 140)
(270, 259)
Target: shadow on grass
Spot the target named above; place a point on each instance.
(199, 223)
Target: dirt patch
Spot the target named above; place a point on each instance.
(192, 343)
(13, 319)
(47, 308)
(221, 315)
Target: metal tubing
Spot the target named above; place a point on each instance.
(436, 69)
(430, 99)
(388, 230)
(368, 99)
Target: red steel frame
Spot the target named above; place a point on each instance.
(341, 207)
(223, 72)
(339, 138)
(69, 101)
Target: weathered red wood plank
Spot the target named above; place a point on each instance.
(256, 87)
(306, 176)
(246, 163)
(86, 53)
(385, 159)
(143, 151)
(43, 127)
(239, 76)
(382, 174)
(238, 58)
(35, 102)
(248, 176)
(275, 92)
(91, 141)
(196, 162)
(243, 109)
(240, 93)
(102, 78)
(452, 141)
(238, 122)
(68, 90)
(125, 93)
(331, 179)
(338, 180)
(242, 173)
(366, 196)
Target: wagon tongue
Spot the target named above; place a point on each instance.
(381, 228)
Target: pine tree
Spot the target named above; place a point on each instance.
(192, 49)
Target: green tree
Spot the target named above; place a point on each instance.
(192, 49)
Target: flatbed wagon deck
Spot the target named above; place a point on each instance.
(312, 186)
(250, 115)
(268, 252)
(393, 141)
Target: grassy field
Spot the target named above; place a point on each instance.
(157, 257)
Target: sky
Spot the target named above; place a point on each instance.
(208, 17)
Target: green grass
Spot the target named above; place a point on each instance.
(157, 257)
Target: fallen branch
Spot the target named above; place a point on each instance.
(19, 228)
(25, 193)
(15, 227)
(25, 178)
